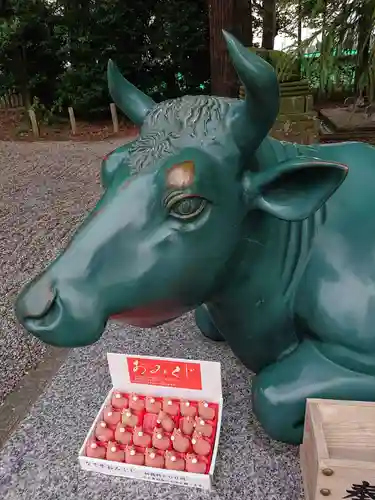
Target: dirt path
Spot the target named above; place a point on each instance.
(46, 188)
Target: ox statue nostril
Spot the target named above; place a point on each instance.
(36, 301)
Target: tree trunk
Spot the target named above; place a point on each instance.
(269, 24)
(363, 57)
(243, 27)
(20, 73)
(77, 15)
(234, 17)
(299, 20)
(251, 32)
(323, 51)
(299, 35)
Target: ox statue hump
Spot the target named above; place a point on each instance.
(271, 243)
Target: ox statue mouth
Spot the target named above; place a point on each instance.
(150, 316)
(48, 314)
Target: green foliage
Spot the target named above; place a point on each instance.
(57, 52)
(339, 27)
(286, 20)
(29, 48)
(179, 45)
(287, 65)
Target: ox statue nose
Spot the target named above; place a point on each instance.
(56, 316)
(35, 301)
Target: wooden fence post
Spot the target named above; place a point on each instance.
(72, 120)
(11, 100)
(114, 117)
(34, 123)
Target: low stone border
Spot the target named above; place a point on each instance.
(17, 404)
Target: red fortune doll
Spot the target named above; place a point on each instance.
(170, 406)
(153, 459)
(194, 464)
(140, 438)
(200, 445)
(180, 442)
(165, 421)
(160, 440)
(203, 427)
(187, 425)
(187, 409)
(136, 403)
(132, 456)
(152, 405)
(114, 453)
(110, 416)
(206, 411)
(123, 436)
(103, 432)
(173, 461)
(119, 401)
(93, 450)
(129, 418)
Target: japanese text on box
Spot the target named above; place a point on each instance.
(183, 375)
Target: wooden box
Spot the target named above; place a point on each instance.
(338, 450)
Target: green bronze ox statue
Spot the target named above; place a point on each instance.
(271, 243)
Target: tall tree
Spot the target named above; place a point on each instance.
(338, 28)
(27, 45)
(269, 24)
(365, 25)
(233, 16)
(243, 28)
(178, 48)
(299, 24)
(250, 29)
(324, 48)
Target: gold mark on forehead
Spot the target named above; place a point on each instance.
(181, 175)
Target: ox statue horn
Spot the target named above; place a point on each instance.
(132, 101)
(255, 117)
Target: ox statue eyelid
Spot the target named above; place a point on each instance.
(175, 196)
(172, 200)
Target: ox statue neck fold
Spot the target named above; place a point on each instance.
(268, 262)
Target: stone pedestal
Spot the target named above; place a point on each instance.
(297, 121)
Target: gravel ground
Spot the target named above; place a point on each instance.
(46, 190)
(40, 459)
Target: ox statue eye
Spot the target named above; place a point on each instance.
(182, 206)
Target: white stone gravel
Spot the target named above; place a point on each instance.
(46, 189)
(39, 461)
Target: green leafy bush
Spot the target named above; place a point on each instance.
(286, 65)
(57, 52)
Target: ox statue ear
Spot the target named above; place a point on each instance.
(134, 103)
(297, 188)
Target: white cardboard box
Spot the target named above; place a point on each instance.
(182, 378)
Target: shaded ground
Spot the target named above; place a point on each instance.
(344, 119)
(40, 460)
(15, 126)
(17, 404)
(46, 190)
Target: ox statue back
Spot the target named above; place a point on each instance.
(272, 244)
